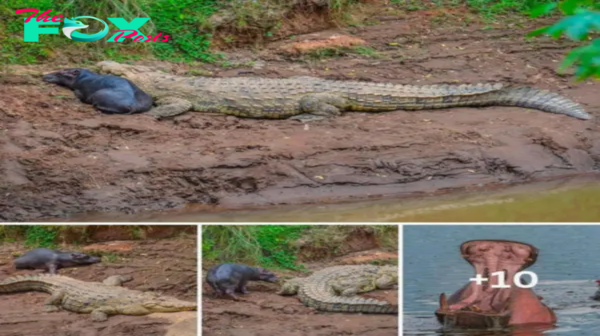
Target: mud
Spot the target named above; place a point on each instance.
(61, 158)
(166, 266)
(262, 312)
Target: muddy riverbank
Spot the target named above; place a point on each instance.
(61, 158)
(167, 266)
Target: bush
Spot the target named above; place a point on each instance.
(582, 19)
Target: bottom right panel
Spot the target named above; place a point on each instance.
(527, 280)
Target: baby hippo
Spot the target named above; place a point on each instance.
(107, 93)
(226, 279)
(51, 260)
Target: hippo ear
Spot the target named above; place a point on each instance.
(73, 73)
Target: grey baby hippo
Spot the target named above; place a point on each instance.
(107, 93)
(52, 260)
(226, 279)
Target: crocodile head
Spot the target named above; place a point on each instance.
(290, 286)
(387, 277)
(150, 80)
(165, 304)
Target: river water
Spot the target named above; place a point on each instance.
(566, 267)
(566, 200)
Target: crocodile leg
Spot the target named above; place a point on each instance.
(349, 292)
(319, 106)
(170, 107)
(52, 304)
(117, 280)
(101, 314)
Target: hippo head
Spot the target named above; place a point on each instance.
(266, 275)
(77, 258)
(486, 304)
(65, 77)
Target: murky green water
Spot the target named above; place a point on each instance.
(569, 200)
(567, 266)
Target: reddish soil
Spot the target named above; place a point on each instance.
(60, 158)
(167, 266)
(263, 312)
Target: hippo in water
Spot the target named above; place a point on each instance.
(482, 306)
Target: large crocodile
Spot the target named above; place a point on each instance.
(99, 299)
(304, 97)
(334, 288)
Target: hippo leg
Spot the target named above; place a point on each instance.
(111, 102)
(242, 287)
(216, 292)
(230, 292)
(52, 268)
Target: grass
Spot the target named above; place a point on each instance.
(490, 10)
(50, 236)
(189, 23)
(278, 246)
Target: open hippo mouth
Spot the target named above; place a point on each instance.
(483, 306)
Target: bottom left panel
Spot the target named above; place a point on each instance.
(98, 280)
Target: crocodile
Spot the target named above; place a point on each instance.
(334, 288)
(95, 298)
(306, 98)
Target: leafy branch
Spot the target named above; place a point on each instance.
(581, 21)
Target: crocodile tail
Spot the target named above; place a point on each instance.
(349, 305)
(542, 100)
(24, 283)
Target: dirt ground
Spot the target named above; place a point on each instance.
(61, 158)
(166, 266)
(263, 312)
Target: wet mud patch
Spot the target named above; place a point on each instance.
(263, 312)
(166, 266)
(60, 158)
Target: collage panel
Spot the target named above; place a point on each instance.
(98, 280)
(521, 280)
(276, 279)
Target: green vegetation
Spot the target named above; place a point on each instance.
(278, 246)
(490, 10)
(493, 8)
(268, 245)
(581, 21)
(32, 236)
(190, 25)
(50, 236)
